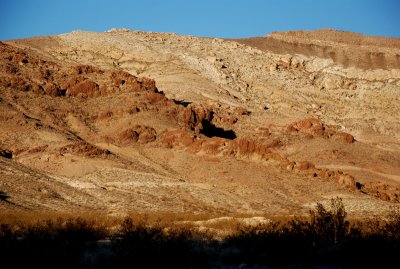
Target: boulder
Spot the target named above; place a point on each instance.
(304, 165)
(309, 126)
(176, 138)
(345, 137)
(347, 180)
(138, 134)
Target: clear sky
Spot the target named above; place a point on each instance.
(213, 18)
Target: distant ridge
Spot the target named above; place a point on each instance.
(345, 48)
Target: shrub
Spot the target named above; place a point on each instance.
(154, 246)
(48, 244)
(329, 225)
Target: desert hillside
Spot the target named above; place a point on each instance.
(128, 121)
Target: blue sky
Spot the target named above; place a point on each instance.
(213, 18)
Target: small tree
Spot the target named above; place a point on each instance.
(330, 225)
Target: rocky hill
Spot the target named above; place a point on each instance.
(129, 121)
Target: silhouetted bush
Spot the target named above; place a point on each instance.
(49, 244)
(157, 246)
(325, 239)
(330, 226)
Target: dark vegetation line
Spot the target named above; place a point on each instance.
(326, 239)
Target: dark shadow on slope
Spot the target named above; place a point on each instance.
(4, 197)
(6, 154)
(181, 102)
(210, 130)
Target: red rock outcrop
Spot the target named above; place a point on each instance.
(383, 191)
(85, 149)
(346, 180)
(122, 78)
(246, 148)
(86, 88)
(304, 165)
(345, 137)
(310, 126)
(155, 97)
(192, 118)
(176, 138)
(138, 134)
(240, 148)
(24, 72)
(315, 127)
